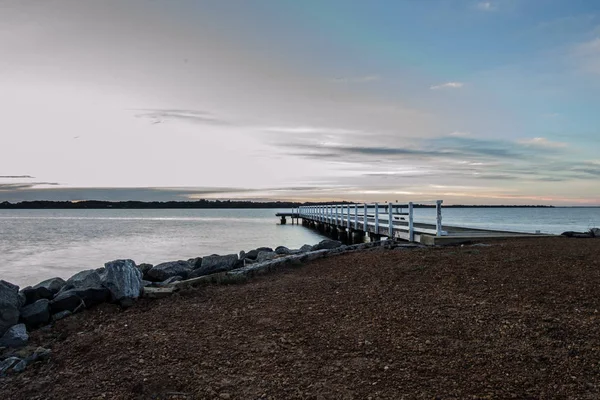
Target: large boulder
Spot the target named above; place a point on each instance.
(264, 249)
(266, 255)
(164, 271)
(52, 286)
(84, 279)
(123, 280)
(195, 262)
(305, 248)
(15, 336)
(216, 263)
(327, 244)
(68, 300)
(251, 255)
(282, 250)
(72, 299)
(10, 302)
(36, 314)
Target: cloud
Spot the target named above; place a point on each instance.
(20, 186)
(447, 85)
(542, 142)
(486, 6)
(587, 56)
(358, 79)
(194, 116)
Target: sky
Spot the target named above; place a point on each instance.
(471, 102)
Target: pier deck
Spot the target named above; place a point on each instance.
(391, 220)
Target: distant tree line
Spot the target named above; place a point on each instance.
(96, 204)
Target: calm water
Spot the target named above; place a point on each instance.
(40, 244)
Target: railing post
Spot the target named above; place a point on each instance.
(438, 209)
(411, 229)
(365, 221)
(348, 215)
(390, 222)
(377, 218)
(356, 216)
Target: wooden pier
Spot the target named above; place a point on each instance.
(352, 222)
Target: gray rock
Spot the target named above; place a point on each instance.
(164, 271)
(264, 249)
(147, 283)
(40, 354)
(60, 315)
(22, 299)
(68, 300)
(578, 235)
(327, 244)
(123, 280)
(10, 302)
(83, 279)
(215, 263)
(282, 250)
(7, 364)
(36, 314)
(52, 285)
(32, 295)
(176, 278)
(20, 366)
(305, 248)
(144, 267)
(242, 255)
(71, 299)
(266, 255)
(15, 336)
(195, 262)
(251, 255)
(158, 293)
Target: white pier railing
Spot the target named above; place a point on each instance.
(388, 219)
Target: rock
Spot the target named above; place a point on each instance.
(123, 280)
(7, 364)
(67, 300)
(32, 295)
(215, 263)
(195, 262)
(305, 248)
(176, 278)
(40, 354)
(282, 250)
(578, 235)
(10, 302)
(20, 366)
(251, 255)
(52, 285)
(147, 283)
(83, 279)
(60, 315)
(36, 314)
(22, 300)
(144, 268)
(15, 336)
(164, 271)
(258, 250)
(158, 292)
(266, 255)
(595, 232)
(327, 244)
(242, 255)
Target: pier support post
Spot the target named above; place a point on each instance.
(283, 221)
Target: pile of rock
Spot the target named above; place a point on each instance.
(121, 282)
(592, 233)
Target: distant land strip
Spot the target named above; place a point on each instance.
(98, 204)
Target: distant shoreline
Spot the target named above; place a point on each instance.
(206, 204)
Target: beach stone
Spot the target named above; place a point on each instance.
(10, 302)
(52, 285)
(305, 248)
(144, 268)
(264, 249)
(158, 292)
(251, 255)
(327, 244)
(164, 271)
(578, 235)
(216, 263)
(36, 314)
(195, 262)
(123, 280)
(20, 366)
(39, 354)
(83, 279)
(282, 250)
(266, 255)
(15, 336)
(68, 300)
(60, 315)
(7, 364)
(242, 255)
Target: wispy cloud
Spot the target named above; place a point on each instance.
(542, 142)
(357, 79)
(447, 85)
(486, 6)
(587, 56)
(194, 116)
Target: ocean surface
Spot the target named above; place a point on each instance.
(40, 244)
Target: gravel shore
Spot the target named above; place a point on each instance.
(516, 319)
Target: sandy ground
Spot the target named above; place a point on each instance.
(518, 319)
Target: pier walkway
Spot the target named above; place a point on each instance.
(351, 222)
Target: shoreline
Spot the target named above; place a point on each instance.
(509, 318)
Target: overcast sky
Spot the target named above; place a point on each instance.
(493, 102)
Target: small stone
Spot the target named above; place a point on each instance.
(224, 395)
(20, 367)
(60, 315)
(15, 336)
